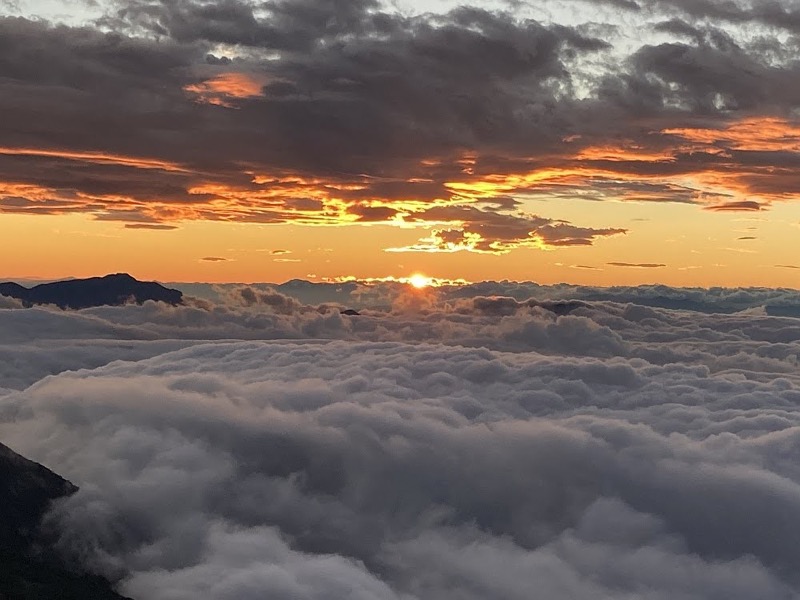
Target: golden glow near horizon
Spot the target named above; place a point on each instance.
(696, 248)
(598, 221)
(419, 281)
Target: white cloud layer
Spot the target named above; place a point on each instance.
(449, 448)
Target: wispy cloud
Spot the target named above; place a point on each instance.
(637, 265)
(151, 226)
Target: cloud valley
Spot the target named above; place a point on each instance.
(438, 447)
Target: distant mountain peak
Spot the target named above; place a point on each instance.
(114, 289)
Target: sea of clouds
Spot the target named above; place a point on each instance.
(448, 444)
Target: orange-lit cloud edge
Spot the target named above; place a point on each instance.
(466, 202)
(226, 88)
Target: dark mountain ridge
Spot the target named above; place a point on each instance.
(114, 290)
(30, 569)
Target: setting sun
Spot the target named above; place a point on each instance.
(419, 281)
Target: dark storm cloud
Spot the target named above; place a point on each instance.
(420, 81)
(778, 14)
(120, 87)
(398, 91)
(299, 25)
(680, 28)
(716, 76)
(339, 111)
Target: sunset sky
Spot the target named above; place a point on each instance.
(605, 142)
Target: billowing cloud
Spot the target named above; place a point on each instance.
(381, 469)
(450, 442)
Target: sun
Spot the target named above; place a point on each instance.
(419, 281)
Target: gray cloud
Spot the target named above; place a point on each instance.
(783, 15)
(383, 111)
(398, 455)
(250, 444)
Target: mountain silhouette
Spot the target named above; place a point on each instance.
(30, 569)
(114, 289)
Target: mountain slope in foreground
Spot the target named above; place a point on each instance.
(29, 568)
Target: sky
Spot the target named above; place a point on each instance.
(612, 142)
(456, 443)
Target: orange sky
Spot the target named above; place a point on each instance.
(698, 248)
(216, 239)
(365, 150)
